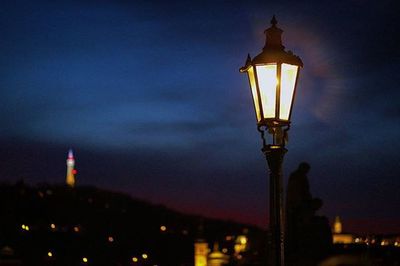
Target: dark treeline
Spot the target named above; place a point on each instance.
(105, 227)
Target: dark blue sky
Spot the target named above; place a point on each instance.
(149, 96)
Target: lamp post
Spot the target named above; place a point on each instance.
(273, 76)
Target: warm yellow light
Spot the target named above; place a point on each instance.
(134, 259)
(288, 82)
(25, 227)
(384, 242)
(267, 81)
(200, 261)
(396, 244)
(163, 228)
(224, 250)
(144, 256)
(84, 259)
(275, 147)
(76, 229)
(200, 253)
(253, 87)
(241, 244)
(50, 254)
(52, 226)
(110, 239)
(342, 238)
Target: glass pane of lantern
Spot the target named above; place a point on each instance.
(254, 92)
(288, 82)
(267, 81)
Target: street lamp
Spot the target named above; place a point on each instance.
(273, 76)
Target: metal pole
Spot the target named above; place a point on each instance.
(274, 156)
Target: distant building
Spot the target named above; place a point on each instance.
(217, 258)
(200, 252)
(203, 256)
(338, 236)
(70, 179)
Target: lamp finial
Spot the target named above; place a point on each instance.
(274, 21)
(273, 36)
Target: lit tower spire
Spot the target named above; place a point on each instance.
(70, 180)
(337, 226)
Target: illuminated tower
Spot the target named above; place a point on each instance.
(337, 236)
(337, 226)
(70, 180)
(200, 253)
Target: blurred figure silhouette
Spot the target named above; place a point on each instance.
(308, 237)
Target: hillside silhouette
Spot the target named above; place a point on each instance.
(106, 228)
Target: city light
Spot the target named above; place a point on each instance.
(25, 227)
(228, 238)
(110, 239)
(135, 259)
(49, 254)
(241, 244)
(144, 256)
(52, 226)
(76, 229)
(84, 260)
(163, 228)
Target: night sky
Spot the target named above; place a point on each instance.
(149, 96)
